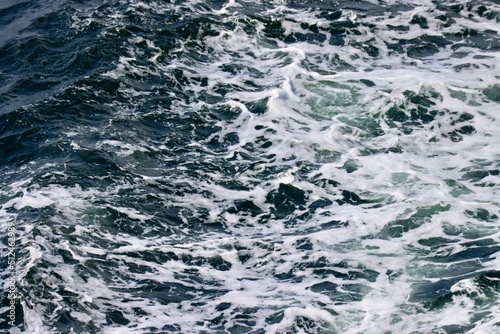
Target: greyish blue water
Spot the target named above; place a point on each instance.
(271, 166)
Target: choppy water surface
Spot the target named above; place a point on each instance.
(251, 166)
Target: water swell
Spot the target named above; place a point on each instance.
(266, 167)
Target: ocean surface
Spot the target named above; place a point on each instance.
(269, 166)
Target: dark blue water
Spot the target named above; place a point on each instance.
(249, 167)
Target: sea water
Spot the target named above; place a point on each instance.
(271, 166)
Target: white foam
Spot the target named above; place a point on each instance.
(319, 117)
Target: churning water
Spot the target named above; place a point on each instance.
(271, 166)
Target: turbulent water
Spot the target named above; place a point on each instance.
(271, 166)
